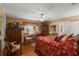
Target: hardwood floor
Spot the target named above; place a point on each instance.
(28, 50)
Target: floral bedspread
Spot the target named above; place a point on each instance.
(49, 47)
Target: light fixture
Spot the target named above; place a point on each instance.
(42, 17)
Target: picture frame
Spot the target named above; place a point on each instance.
(53, 28)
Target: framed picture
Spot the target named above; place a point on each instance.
(53, 28)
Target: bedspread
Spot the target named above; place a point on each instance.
(49, 47)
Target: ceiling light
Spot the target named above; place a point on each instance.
(42, 17)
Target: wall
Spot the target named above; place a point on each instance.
(56, 22)
(20, 20)
(60, 21)
(23, 21)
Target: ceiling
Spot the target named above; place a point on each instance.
(32, 11)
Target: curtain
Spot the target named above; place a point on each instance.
(70, 27)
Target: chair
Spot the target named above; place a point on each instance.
(14, 48)
(14, 43)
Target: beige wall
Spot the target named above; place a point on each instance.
(57, 22)
(23, 21)
(20, 20)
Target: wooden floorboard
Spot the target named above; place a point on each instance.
(28, 49)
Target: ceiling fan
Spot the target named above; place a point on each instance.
(42, 16)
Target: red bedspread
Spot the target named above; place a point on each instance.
(49, 47)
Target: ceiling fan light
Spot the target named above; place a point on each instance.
(42, 19)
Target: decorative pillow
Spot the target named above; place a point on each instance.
(70, 35)
(63, 39)
(59, 37)
(66, 37)
(54, 38)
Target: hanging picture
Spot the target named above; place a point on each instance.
(53, 28)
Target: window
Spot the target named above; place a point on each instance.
(30, 29)
(70, 27)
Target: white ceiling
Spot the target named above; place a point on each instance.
(33, 10)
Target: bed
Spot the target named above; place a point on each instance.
(48, 46)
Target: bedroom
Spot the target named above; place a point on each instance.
(39, 29)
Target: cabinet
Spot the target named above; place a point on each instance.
(14, 35)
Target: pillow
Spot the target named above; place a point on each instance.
(63, 39)
(59, 37)
(69, 35)
(60, 34)
(66, 37)
(54, 38)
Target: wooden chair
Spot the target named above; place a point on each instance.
(14, 41)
